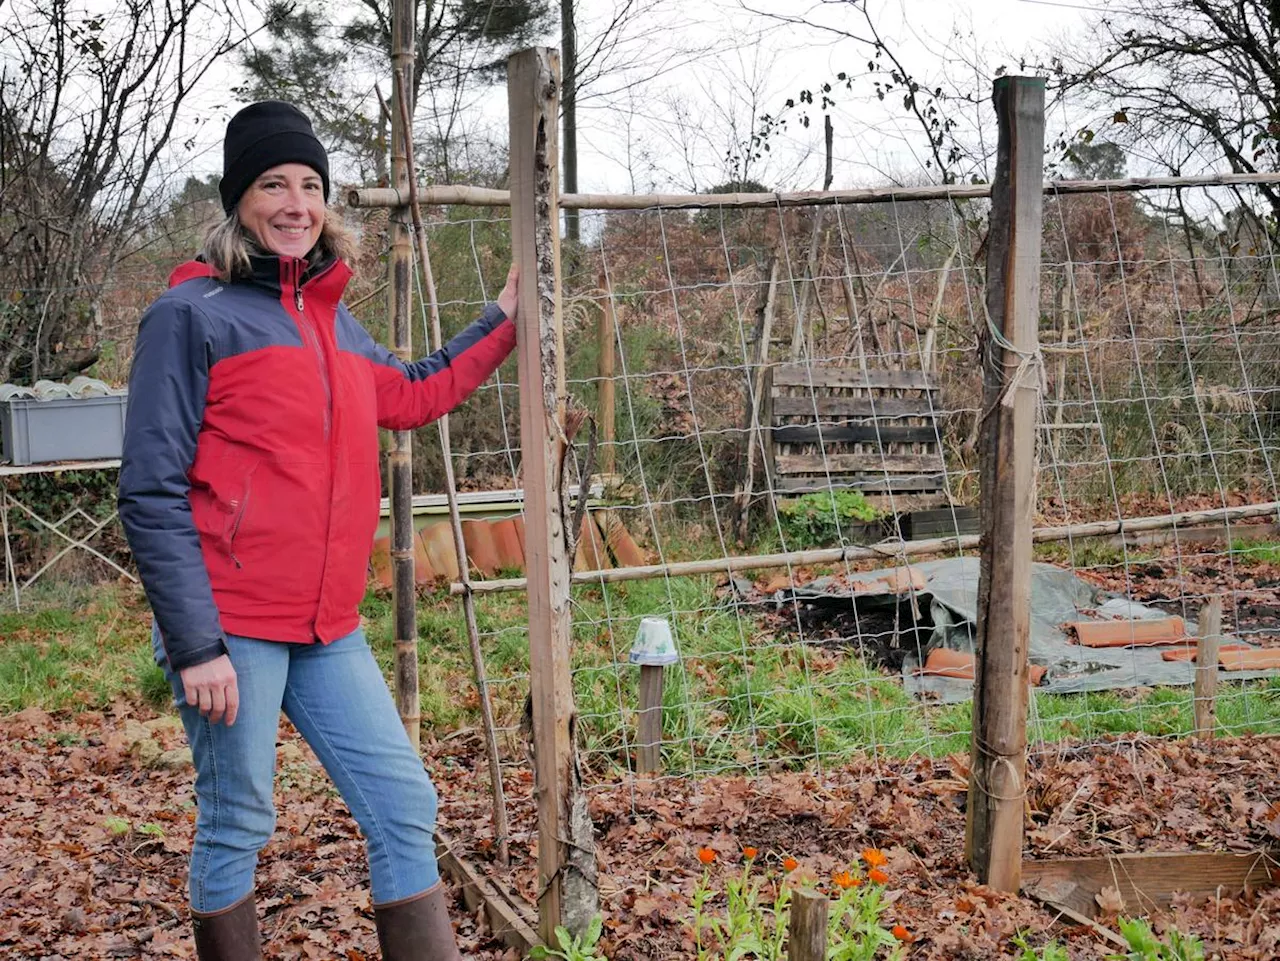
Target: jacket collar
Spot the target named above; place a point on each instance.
(326, 277)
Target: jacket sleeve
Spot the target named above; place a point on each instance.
(411, 395)
(167, 387)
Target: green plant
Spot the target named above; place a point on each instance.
(1264, 553)
(854, 931)
(117, 826)
(1052, 951)
(825, 517)
(582, 948)
(1145, 946)
(752, 928)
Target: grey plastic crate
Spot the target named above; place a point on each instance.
(65, 429)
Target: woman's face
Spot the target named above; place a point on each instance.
(284, 209)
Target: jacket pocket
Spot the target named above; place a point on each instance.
(239, 510)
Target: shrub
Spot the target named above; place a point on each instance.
(824, 518)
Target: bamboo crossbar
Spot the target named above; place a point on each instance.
(440, 195)
(887, 551)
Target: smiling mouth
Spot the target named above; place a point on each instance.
(292, 231)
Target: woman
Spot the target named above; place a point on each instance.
(249, 495)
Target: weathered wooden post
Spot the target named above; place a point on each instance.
(807, 929)
(400, 455)
(1209, 629)
(1011, 374)
(566, 849)
(654, 648)
(605, 412)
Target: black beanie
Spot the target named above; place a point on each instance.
(264, 135)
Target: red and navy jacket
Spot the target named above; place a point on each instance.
(250, 481)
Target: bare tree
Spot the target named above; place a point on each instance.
(332, 57)
(89, 104)
(1185, 84)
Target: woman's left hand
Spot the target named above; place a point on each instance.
(508, 300)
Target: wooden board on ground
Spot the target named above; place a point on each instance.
(511, 920)
(1146, 881)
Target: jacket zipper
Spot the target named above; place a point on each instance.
(235, 527)
(313, 339)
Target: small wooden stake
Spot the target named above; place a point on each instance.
(649, 733)
(1209, 629)
(1011, 369)
(807, 932)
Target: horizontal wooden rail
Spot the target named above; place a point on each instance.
(375, 197)
(889, 550)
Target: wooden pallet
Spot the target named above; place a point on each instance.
(843, 427)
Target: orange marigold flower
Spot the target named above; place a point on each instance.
(706, 855)
(878, 876)
(749, 853)
(789, 863)
(902, 934)
(843, 879)
(875, 857)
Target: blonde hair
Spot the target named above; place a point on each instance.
(228, 245)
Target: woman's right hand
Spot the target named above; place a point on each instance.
(211, 687)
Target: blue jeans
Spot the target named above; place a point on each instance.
(336, 697)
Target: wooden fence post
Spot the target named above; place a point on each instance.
(994, 817)
(400, 456)
(567, 891)
(1205, 688)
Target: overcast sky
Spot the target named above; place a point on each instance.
(874, 142)
(671, 129)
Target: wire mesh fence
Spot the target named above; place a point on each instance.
(794, 380)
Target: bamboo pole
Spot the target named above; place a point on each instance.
(888, 551)
(400, 455)
(566, 891)
(489, 197)
(1209, 631)
(605, 415)
(500, 827)
(994, 814)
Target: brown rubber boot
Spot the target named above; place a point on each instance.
(417, 928)
(230, 934)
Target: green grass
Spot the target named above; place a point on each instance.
(77, 649)
(740, 698)
(1257, 553)
(1089, 553)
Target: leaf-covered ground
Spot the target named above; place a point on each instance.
(1136, 795)
(98, 816)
